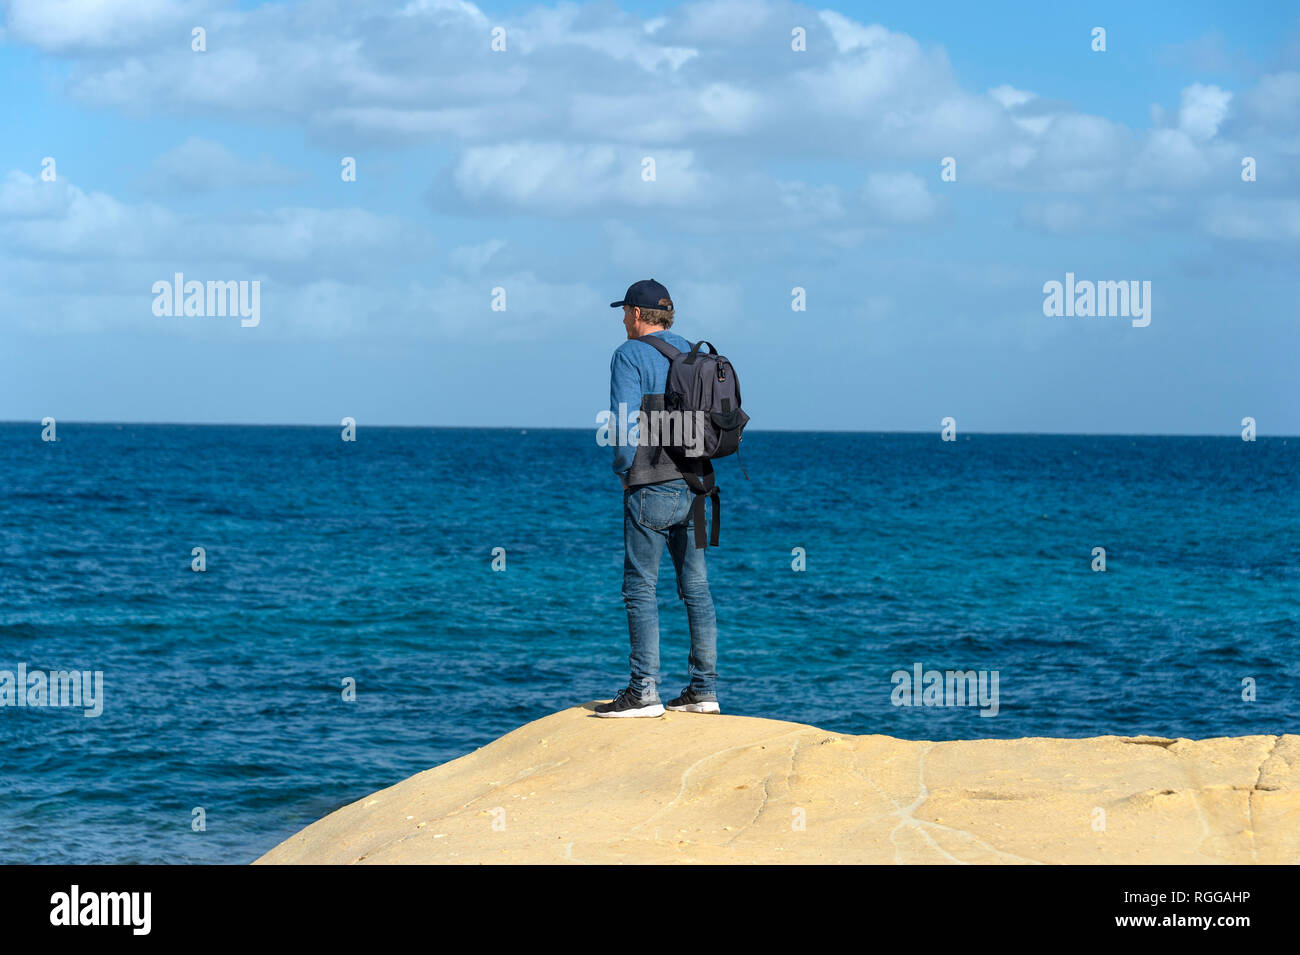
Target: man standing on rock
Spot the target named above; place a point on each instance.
(657, 510)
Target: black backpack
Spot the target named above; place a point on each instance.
(703, 382)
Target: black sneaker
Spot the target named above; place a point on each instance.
(688, 702)
(628, 704)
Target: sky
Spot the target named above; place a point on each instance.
(912, 174)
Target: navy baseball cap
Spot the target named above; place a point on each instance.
(646, 294)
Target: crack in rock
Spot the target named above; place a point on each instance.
(1250, 796)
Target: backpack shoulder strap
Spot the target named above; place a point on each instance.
(661, 346)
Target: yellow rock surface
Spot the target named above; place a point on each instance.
(731, 789)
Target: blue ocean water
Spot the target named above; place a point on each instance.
(372, 561)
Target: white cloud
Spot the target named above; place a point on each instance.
(1058, 217)
(459, 308)
(850, 35)
(1253, 219)
(97, 24)
(60, 244)
(1275, 101)
(1010, 97)
(473, 258)
(1169, 158)
(39, 218)
(445, 10)
(559, 124)
(560, 179)
(730, 22)
(1203, 109)
(728, 108)
(553, 179)
(202, 165)
(899, 198)
(620, 38)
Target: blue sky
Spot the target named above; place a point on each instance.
(775, 169)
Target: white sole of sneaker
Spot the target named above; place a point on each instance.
(656, 710)
(706, 707)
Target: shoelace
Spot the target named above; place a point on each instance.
(626, 694)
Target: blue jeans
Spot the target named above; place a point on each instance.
(654, 515)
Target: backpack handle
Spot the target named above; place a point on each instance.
(695, 351)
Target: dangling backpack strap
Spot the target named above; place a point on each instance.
(715, 494)
(703, 487)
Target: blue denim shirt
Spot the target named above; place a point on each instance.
(636, 370)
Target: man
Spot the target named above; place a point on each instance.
(656, 511)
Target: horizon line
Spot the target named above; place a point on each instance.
(507, 427)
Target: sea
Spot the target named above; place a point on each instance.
(284, 621)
